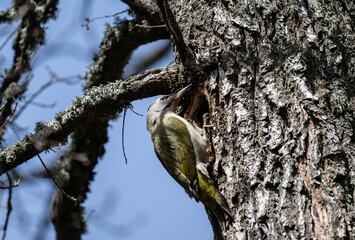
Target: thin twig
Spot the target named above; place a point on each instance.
(43, 105)
(52, 80)
(60, 153)
(90, 214)
(88, 20)
(16, 129)
(10, 115)
(124, 119)
(16, 184)
(152, 26)
(9, 206)
(50, 149)
(56, 183)
(2, 107)
(131, 108)
(9, 37)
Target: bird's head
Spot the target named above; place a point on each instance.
(168, 102)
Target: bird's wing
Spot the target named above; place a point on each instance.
(181, 149)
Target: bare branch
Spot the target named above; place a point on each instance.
(131, 108)
(124, 38)
(124, 119)
(8, 118)
(43, 105)
(15, 184)
(123, 126)
(30, 35)
(9, 206)
(56, 182)
(9, 37)
(53, 79)
(3, 106)
(152, 58)
(88, 20)
(26, 42)
(151, 26)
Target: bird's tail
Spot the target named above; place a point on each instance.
(222, 212)
(211, 197)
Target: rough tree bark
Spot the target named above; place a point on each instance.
(277, 79)
(281, 99)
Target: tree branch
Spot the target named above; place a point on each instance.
(185, 53)
(56, 182)
(88, 140)
(151, 58)
(146, 8)
(30, 35)
(98, 103)
(9, 206)
(8, 15)
(116, 50)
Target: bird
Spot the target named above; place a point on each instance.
(181, 150)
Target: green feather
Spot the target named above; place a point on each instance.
(174, 149)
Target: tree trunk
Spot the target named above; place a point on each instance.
(278, 83)
(277, 79)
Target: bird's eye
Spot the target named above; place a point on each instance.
(164, 98)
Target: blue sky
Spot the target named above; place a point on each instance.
(134, 201)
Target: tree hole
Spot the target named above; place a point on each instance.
(199, 108)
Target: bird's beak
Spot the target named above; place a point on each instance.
(179, 95)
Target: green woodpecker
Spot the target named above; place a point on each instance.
(182, 152)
